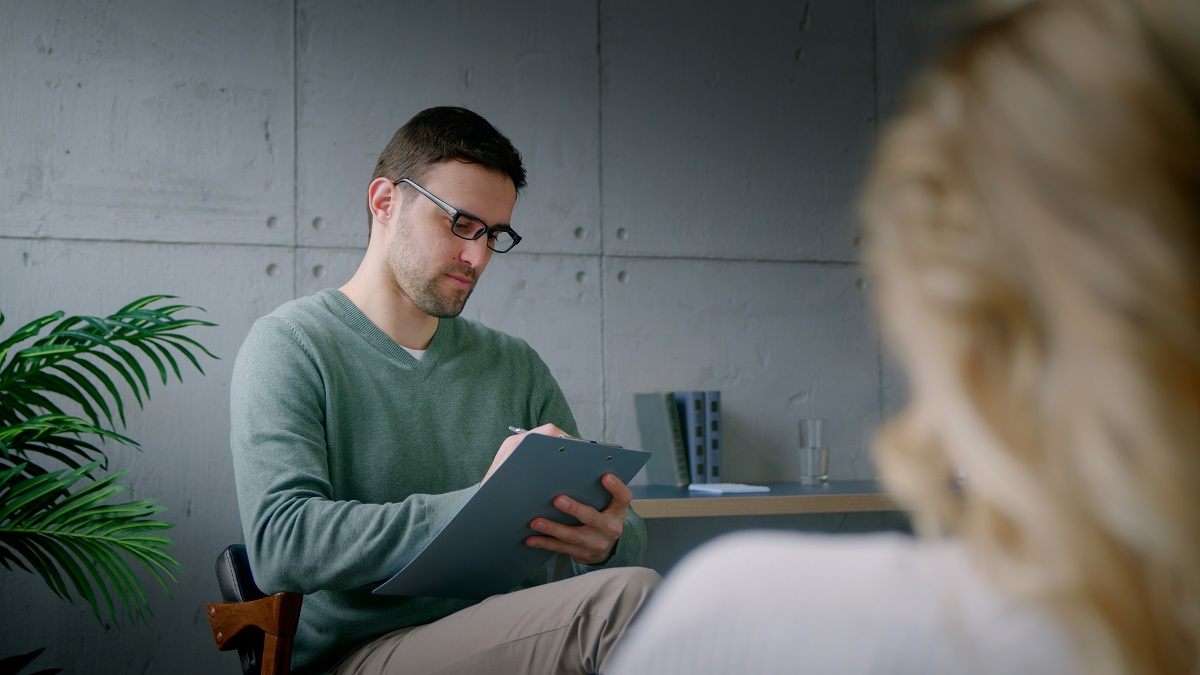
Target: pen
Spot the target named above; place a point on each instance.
(519, 430)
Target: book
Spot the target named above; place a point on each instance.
(662, 435)
(712, 436)
(691, 415)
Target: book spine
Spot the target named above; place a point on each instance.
(712, 436)
(662, 435)
(678, 442)
(691, 415)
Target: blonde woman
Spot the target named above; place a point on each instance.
(1033, 235)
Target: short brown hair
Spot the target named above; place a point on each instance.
(442, 133)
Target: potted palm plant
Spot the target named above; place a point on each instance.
(63, 385)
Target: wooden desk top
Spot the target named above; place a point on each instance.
(662, 501)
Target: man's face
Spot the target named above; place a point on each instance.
(435, 269)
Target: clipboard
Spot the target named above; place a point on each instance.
(482, 550)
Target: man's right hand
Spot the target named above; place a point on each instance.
(511, 443)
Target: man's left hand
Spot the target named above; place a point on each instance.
(592, 541)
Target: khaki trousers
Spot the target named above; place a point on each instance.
(569, 626)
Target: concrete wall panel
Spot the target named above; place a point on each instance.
(321, 268)
(151, 121)
(530, 68)
(781, 341)
(735, 130)
(908, 33)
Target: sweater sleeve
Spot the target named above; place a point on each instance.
(298, 536)
(551, 406)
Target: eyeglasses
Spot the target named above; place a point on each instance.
(500, 238)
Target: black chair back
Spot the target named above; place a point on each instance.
(237, 585)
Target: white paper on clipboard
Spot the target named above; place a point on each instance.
(482, 550)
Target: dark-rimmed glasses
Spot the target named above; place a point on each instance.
(500, 238)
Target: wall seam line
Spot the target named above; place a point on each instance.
(295, 148)
(600, 220)
(875, 143)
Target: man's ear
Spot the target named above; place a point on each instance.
(383, 199)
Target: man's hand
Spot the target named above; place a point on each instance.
(591, 542)
(511, 443)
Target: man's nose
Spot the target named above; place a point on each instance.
(475, 251)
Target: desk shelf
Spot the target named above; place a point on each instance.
(662, 501)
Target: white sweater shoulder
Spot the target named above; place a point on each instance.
(789, 603)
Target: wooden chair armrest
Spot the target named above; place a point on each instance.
(276, 616)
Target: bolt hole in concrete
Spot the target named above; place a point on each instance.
(580, 232)
(861, 284)
(318, 270)
(317, 223)
(581, 276)
(622, 276)
(272, 221)
(272, 269)
(622, 233)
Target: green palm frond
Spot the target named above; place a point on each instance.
(72, 540)
(82, 359)
(57, 437)
(54, 523)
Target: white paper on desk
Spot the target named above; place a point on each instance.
(726, 488)
(482, 550)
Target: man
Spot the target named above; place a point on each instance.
(363, 418)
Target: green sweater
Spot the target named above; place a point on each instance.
(350, 455)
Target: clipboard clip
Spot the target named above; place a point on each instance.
(520, 430)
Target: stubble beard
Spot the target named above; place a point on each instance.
(428, 294)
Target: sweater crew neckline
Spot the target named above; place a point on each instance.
(354, 317)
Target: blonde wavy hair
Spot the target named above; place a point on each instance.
(1032, 225)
